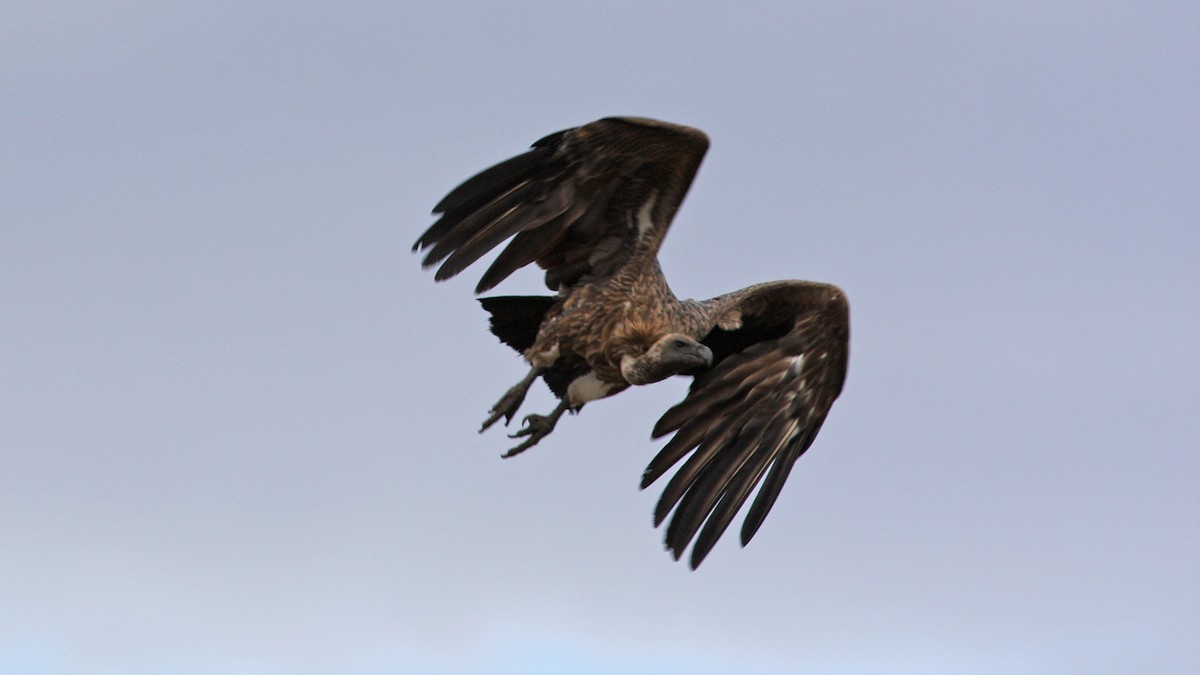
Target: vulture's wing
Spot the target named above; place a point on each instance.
(578, 203)
(779, 360)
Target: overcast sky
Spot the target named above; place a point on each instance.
(238, 421)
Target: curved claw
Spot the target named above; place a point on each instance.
(536, 427)
(530, 425)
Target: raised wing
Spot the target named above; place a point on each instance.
(580, 202)
(779, 361)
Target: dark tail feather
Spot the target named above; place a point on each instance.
(516, 318)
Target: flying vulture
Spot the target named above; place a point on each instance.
(591, 206)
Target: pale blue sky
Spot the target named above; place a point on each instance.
(237, 421)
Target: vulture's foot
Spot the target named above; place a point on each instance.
(511, 401)
(536, 427)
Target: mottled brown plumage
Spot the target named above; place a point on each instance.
(591, 206)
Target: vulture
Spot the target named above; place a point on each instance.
(591, 206)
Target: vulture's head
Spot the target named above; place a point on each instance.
(672, 354)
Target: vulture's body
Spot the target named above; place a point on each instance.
(591, 206)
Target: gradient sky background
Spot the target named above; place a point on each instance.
(238, 422)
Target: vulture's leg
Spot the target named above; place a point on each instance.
(537, 427)
(508, 404)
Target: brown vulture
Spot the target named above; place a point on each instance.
(591, 206)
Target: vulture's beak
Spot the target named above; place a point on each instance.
(698, 358)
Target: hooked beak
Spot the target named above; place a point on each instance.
(700, 358)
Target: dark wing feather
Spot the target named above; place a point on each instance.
(780, 352)
(570, 203)
(517, 318)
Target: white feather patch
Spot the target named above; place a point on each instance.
(644, 223)
(587, 388)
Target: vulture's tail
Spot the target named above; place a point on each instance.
(516, 318)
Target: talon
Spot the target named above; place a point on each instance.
(508, 404)
(536, 427)
(520, 448)
(529, 425)
(494, 415)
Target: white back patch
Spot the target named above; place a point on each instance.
(797, 364)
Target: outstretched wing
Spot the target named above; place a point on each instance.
(579, 203)
(779, 361)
